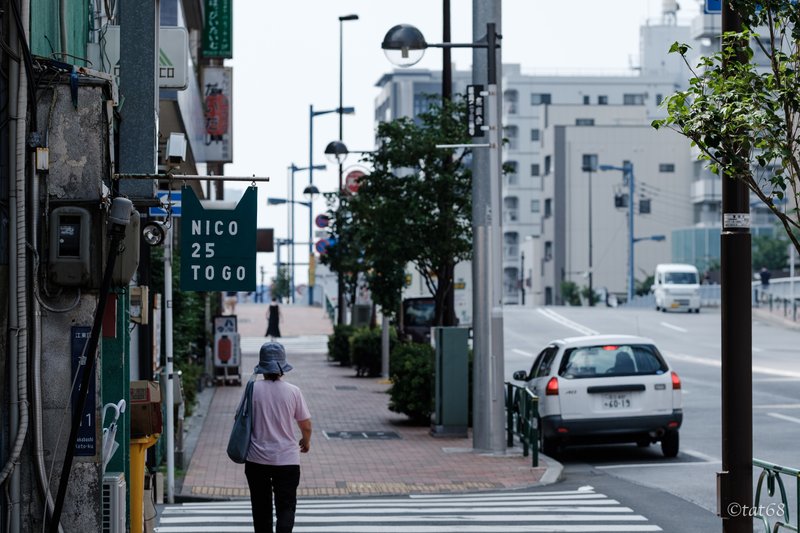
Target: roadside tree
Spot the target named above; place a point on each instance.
(744, 114)
(415, 206)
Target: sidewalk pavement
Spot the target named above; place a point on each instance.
(415, 462)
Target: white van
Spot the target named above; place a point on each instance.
(677, 286)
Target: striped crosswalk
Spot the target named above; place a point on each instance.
(300, 344)
(573, 511)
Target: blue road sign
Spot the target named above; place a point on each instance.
(173, 198)
(713, 7)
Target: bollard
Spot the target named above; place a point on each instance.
(138, 452)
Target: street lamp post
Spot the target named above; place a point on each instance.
(522, 276)
(310, 192)
(590, 165)
(311, 114)
(260, 293)
(404, 45)
(627, 172)
(735, 480)
(293, 168)
(340, 307)
(290, 241)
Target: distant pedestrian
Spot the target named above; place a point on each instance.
(231, 299)
(274, 319)
(273, 460)
(765, 276)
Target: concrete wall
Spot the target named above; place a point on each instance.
(77, 139)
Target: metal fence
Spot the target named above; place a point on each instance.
(522, 411)
(774, 516)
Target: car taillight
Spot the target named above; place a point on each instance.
(676, 381)
(552, 387)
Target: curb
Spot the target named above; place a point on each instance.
(553, 474)
(778, 320)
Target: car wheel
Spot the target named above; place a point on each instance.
(658, 307)
(548, 446)
(697, 311)
(663, 309)
(670, 443)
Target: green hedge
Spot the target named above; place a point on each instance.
(413, 372)
(365, 350)
(413, 378)
(339, 344)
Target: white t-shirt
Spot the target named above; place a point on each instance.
(277, 407)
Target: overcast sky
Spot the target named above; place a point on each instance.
(286, 57)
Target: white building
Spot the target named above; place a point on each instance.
(551, 122)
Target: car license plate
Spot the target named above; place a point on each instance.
(616, 401)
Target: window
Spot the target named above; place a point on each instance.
(512, 174)
(510, 100)
(511, 245)
(511, 209)
(620, 360)
(548, 207)
(666, 167)
(584, 122)
(548, 250)
(535, 206)
(423, 102)
(586, 100)
(540, 98)
(589, 163)
(535, 134)
(659, 99)
(535, 169)
(633, 99)
(602, 100)
(547, 160)
(511, 133)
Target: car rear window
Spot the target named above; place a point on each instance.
(611, 360)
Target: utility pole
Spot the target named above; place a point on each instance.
(735, 481)
(487, 309)
(627, 169)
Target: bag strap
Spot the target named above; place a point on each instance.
(246, 403)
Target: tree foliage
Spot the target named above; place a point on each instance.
(742, 107)
(413, 207)
(281, 284)
(770, 251)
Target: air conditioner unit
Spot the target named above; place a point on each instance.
(114, 520)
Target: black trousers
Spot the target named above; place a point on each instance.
(266, 480)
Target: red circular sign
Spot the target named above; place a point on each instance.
(351, 181)
(322, 221)
(322, 246)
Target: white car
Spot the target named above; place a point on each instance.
(605, 389)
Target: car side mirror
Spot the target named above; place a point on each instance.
(520, 375)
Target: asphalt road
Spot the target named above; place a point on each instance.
(691, 343)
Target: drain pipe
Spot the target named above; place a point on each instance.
(36, 355)
(17, 320)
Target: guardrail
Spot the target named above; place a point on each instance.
(522, 412)
(772, 473)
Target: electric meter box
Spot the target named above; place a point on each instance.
(70, 246)
(127, 261)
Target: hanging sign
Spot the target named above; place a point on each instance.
(218, 246)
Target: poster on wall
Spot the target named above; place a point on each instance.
(217, 102)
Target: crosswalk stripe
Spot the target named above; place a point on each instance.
(302, 344)
(581, 511)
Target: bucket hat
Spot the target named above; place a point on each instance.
(272, 359)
